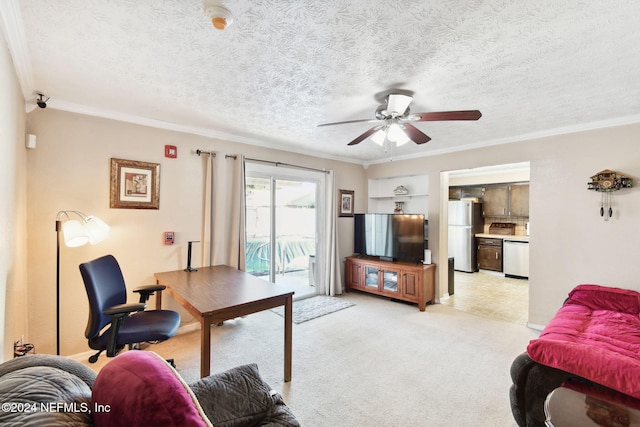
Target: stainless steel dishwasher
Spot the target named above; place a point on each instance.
(515, 258)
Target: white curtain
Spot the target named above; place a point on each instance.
(207, 212)
(227, 219)
(332, 285)
(236, 215)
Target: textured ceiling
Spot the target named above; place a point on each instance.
(283, 67)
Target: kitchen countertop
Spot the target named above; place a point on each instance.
(504, 237)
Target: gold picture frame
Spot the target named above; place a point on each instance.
(134, 184)
(345, 203)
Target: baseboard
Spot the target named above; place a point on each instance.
(535, 326)
(184, 329)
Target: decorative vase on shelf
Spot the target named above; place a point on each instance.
(398, 208)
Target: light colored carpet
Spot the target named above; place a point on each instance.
(379, 363)
(311, 308)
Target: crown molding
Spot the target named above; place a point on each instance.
(71, 107)
(603, 124)
(12, 26)
(210, 133)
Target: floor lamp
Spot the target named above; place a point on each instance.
(88, 229)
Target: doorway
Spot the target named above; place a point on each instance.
(486, 293)
(281, 228)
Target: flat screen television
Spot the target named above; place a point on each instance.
(390, 236)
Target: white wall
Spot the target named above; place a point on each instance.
(69, 170)
(13, 189)
(570, 243)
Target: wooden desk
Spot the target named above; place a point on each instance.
(219, 293)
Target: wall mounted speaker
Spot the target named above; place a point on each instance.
(30, 141)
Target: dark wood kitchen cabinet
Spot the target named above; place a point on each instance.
(509, 200)
(495, 201)
(519, 200)
(490, 254)
(460, 192)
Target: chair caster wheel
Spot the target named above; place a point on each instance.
(94, 358)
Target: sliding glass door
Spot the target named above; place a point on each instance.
(281, 228)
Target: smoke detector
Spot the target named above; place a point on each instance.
(220, 16)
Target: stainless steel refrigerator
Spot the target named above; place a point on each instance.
(465, 221)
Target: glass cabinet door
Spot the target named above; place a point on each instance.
(371, 277)
(390, 283)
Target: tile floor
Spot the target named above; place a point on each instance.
(492, 295)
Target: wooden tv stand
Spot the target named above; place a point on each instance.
(404, 281)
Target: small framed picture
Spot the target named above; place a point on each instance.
(345, 203)
(134, 185)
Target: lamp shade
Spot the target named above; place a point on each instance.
(74, 233)
(401, 139)
(96, 229)
(397, 135)
(379, 137)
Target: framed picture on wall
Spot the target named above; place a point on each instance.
(345, 203)
(134, 185)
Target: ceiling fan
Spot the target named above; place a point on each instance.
(395, 121)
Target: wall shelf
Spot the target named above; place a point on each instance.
(382, 198)
(400, 196)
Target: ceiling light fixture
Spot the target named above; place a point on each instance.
(380, 136)
(220, 16)
(397, 134)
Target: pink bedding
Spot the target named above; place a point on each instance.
(595, 335)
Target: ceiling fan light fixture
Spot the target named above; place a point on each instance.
(396, 129)
(220, 16)
(402, 139)
(379, 137)
(397, 135)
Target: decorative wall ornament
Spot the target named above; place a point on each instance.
(401, 190)
(606, 182)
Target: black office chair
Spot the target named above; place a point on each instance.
(129, 323)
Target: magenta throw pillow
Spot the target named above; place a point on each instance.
(139, 388)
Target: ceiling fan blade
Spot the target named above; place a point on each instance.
(365, 135)
(445, 115)
(416, 134)
(350, 121)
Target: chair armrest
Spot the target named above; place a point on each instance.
(124, 309)
(118, 314)
(148, 290)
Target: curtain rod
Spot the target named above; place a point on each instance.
(286, 164)
(232, 156)
(212, 154)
